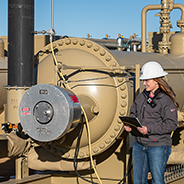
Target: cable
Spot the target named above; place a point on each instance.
(76, 153)
(126, 174)
(87, 123)
(80, 132)
(89, 142)
(56, 63)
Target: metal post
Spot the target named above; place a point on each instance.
(20, 60)
(137, 81)
(52, 23)
(21, 42)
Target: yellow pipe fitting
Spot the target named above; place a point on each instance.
(156, 7)
(181, 7)
(143, 24)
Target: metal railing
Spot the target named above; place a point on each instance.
(174, 173)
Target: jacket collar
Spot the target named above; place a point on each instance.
(158, 93)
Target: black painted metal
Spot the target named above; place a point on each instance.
(21, 42)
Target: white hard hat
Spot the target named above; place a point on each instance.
(152, 70)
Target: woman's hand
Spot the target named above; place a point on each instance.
(127, 128)
(142, 130)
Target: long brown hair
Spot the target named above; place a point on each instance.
(165, 88)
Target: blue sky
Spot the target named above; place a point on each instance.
(97, 17)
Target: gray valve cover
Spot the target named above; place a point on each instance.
(46, 112)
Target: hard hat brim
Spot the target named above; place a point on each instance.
(142, 77)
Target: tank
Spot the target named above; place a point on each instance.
(105, 82)
(68, 123)
(3, 74)
(3, 94)
(3, 81)
(177, 43)
(1, 48)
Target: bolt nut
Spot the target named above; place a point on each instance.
(120, 79)
(108, 141)
(124, 95)
(60, 42)
(122, 88)
(123, 104)
(102, 53)
(89, 45)
(82, 42)
(96, 48)
(94, 109)
(117, 128)
(108, 58)
(113, 135)
(95, 150)
(102, 146)
(122, 112)
(68, 41)
(75, 41)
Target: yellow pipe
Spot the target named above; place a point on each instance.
(180, 23)
(143, 19)
(143, 24)
(181, 7)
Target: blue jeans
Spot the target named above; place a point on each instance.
(149, 159)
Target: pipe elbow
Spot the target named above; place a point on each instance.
(151, 7)
(181, 7)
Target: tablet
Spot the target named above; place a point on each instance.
(133, 123)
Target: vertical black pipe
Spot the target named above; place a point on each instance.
(21, 42)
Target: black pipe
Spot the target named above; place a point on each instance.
(21, 42)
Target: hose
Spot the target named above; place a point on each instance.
(85, 116)
(76, 153)
(126, 174)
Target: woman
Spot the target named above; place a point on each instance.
(156, 109)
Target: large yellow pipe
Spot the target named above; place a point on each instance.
(143, 23)
(181, 7)
(181, 22)
(143, 20)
